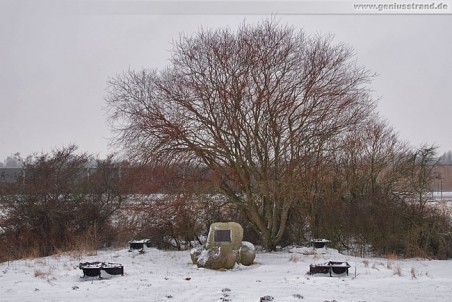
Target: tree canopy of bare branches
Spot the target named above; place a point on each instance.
(256, 106)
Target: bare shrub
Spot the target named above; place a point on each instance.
(170, 221)
(391, 256)
(59, 203)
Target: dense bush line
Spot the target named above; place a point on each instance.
(62, 203)
(59, 204)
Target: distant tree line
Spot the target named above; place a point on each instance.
(10, 162)
(446, 158)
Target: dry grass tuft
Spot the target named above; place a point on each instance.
(294, 258)
(398, 270)
(413, 273)
(389, 265)
(42, 274)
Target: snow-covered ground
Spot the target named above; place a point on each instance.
(445, 197)
(170, 276)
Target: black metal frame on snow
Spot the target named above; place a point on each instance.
(139, 245)
(93, 269)
(336, 267)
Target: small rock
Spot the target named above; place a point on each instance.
(194, 254)
(247, 253)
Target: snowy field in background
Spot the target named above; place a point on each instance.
(170, 276)
(442, 196)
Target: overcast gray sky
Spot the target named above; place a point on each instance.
(56, 56)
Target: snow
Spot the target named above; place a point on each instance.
(248, 245)
(170, 276)
(442, 195)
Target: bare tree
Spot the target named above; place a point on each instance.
(421, 172)
(372, 159)
(257, 107)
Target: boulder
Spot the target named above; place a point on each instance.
(247, 253)
(217, 258)
(224, 248)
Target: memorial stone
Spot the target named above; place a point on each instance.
(225, 234)
(224, 248)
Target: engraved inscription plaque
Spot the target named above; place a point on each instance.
(222, 236)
